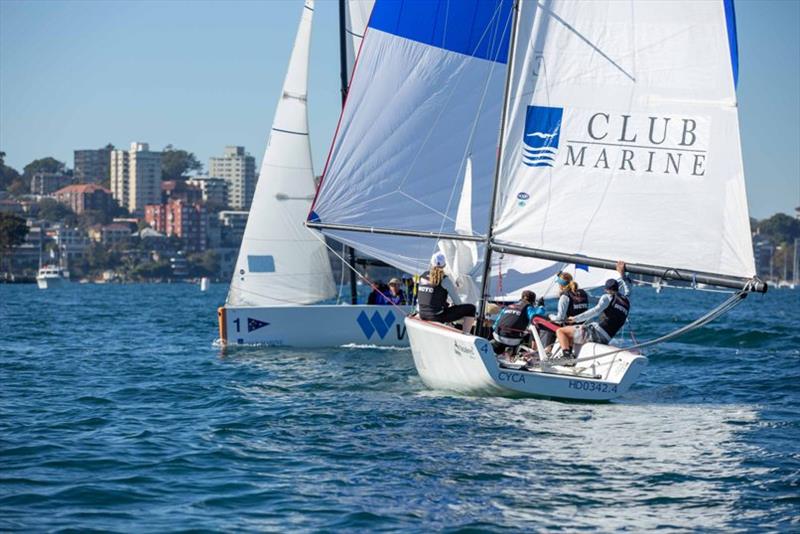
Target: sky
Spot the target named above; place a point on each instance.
(201, 75)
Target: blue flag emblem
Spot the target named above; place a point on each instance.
(255, 324)
(542, 131)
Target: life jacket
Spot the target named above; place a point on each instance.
(615, 315)
(578, 302)
(513, 320)
(431, 299)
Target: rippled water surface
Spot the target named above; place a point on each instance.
(117, 412)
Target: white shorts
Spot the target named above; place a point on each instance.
(591, 332)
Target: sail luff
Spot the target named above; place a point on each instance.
(664, 273)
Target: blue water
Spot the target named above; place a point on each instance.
(118, 413)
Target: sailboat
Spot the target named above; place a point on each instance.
(618, 139)
(283, 271)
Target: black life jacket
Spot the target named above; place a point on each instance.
(513, 320)
(615, 315)
(578, 302)
(431, 299)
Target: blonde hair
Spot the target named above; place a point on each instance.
(572, 285)
(436, 275)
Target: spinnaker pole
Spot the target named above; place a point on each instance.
(487, 259)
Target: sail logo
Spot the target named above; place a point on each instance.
(371, 325)
(642, 144)
(541, 136)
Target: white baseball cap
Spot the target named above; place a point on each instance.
(438, 260)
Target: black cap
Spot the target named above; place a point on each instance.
(612, 284)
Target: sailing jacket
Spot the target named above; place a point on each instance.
(611, 320)
(515, 318)
(570, 304)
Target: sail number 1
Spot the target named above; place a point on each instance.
(586, 385)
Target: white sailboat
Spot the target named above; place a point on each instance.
(283, 271)
(618, 140)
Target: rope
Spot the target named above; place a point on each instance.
(352, 268)
(720, 310)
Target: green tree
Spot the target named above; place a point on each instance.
(53, 211)
(203, 264)
(47, 164)
(8, 175)
(149, 269)
(12, 233)
(780, 228)
(176, 163)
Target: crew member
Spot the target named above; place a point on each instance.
(572, 301)
(432, 293)
(612, 309)
(512, 323)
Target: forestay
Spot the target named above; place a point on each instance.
(280, 261)
(623, 136)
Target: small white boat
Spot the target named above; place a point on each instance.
(449, 360)
(50, 276)
(204, 283)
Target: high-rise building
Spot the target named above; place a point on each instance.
(93, 165)
(238, 169)
(179, 218)
(136, 177)
(214, 190)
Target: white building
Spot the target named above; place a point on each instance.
(215, 190)
(136, 177)
(238, 169)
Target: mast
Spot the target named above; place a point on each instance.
(351, 253)
(487, 259)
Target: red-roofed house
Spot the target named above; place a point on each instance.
(82, 197)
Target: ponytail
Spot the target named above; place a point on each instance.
(436, 275)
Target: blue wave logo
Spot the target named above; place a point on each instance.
(376, 323)
(542, 131)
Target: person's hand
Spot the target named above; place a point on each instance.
(621, 268)
(570, 320)
(540, 302)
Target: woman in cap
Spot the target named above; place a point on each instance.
(432, 297)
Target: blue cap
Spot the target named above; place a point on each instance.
(612, 284)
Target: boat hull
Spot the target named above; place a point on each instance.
(450, 360)
(314, 326)
(50, 282)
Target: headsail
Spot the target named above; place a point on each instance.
(427, 91)
(623, 137)
(280, 261)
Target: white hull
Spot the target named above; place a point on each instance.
(449, 360)
(50, 282)
(314, 326)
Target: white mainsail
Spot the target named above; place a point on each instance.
(280, 261)
(357, 14)
(623, 136)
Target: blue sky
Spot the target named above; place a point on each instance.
(202, 75)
